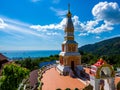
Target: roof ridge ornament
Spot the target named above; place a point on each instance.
(68, 6)
(69, 13)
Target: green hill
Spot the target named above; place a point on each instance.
(108, 49)
(105, 47)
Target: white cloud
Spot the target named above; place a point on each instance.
(104, 27)
(109, 12)
(77, 23)
(59, 12)
(106, 15)
(84, 28)
(52, 33)
(97, 37)
(59, 26)
(89, 26)
(2, 24)
(83, 34)
(95, 27)
(15, 27)
(23, 30)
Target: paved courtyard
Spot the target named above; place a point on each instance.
(53, 80)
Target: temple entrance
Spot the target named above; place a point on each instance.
(72, 65)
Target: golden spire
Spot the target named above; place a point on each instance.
(69, 13)
(68, 7)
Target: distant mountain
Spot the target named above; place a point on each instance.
(105, 47)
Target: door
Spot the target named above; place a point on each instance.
(72, 65)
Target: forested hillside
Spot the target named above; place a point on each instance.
(106, 47)
(109, 50)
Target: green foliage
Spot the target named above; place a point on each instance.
(33, 63)
(118, 86)
(106, 47)
(12, 76)
(67, 89)
(89, 87)
(76, 89)
(88, 58)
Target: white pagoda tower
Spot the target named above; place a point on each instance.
(69, 57)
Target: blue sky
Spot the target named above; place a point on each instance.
(39, 24)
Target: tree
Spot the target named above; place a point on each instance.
(89, 87)
(118, 86)
(12, 76)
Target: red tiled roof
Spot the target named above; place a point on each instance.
(2, 57)
(99, 63)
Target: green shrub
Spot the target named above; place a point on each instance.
(58, 89)
(89, 87)
(67, 89)
(12, 76)
(76, 89)
(118, 86)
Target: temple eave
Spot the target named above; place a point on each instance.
(69, 54)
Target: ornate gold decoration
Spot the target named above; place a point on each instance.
(105, 65)
(69, 38)
(69, 14)
(69, 29)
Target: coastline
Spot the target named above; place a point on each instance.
(20, 54)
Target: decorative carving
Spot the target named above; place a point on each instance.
(100, 71)
(69, 29)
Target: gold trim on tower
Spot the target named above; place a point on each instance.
(69, 13)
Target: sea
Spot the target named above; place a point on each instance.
(14, 54)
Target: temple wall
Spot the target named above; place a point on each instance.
(69, 59)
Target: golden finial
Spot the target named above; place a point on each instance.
(69, 14)
(68, 6)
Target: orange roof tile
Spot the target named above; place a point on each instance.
(99, 62)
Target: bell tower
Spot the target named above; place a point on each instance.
(69, 57)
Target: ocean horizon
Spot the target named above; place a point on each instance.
(19, 54)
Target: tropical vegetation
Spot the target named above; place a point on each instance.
(12, 76)
(118, 86)
(33, 63)
(89, 87)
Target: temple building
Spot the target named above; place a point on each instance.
(102, 76)
(69, 57)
